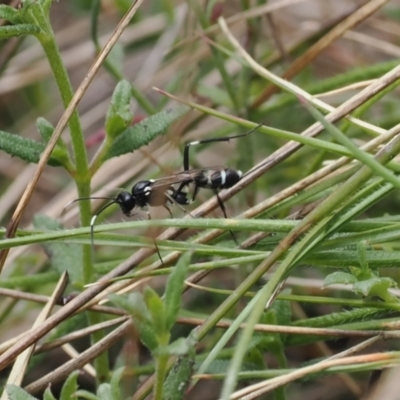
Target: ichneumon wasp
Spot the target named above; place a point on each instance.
(163, 191)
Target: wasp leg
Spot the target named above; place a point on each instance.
(195, 191)
(221, 139)
(172, 200)
(169, 210)
(181, 186)
(223, 209)
(155, 243)
(158, 252)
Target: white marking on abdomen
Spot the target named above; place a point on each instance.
(223, 177)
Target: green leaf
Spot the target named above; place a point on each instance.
(115, 382)
(374, 286)
(27, 149)
(143, 133)
(63, 256)
(10, 14)
(174, 288)
(179, 347)
(339, 278)
(45, 128)
(60, 152)
(46, 4)
(119, 114)
(29, 281)
(104, 392)
(16, 393)
(179, 377)
(70, 386)
(362, 255)
(86, 395)
(283, 309)
(134, 304)
(156, 308)
(18, 30)
(47, 395)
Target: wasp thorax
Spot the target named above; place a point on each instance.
(141, 187)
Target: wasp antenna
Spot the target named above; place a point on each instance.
(255, 128)
(83, 198)
(93, 220)
(247, 133)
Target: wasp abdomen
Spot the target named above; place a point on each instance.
(222, 179)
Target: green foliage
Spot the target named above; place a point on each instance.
(174, 288)
(63, 256)
(156, 309)
(179, 377)
(18, 30)
(105, 391)
(143, 133)
(16, 393)
(135, 305)
(119, 114)
(60, 152)
(324, 227)
(70, 386)
(47, 395)
(115, 383)
(27, 149)
(365, 281)
(279, 314)
(10, 14)
(154, 317)
(29, 281)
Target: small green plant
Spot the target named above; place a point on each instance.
(319, 207)
(364, 281)
(154, 317)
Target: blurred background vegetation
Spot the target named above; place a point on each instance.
(179, 47)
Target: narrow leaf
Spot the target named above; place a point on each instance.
(63, 256)
(16, 393)
(174, 288)
(29, 281)
(70, 386)
(10, 14)
(362, 255)
(156, 308)
(143, 133)
(47, 395)
(104, 392)
(27, 149)
(115, 382)
(84, 394)
(179, 347)
(45, 128)
(374, 286)
(119, 114)
(339, 278)
(60, 152)
(179, 377)
(136, 307)
(18, 30)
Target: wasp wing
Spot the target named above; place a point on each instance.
(184, 176)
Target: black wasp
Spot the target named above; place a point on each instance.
(165, 191)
